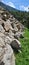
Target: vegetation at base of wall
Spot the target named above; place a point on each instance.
(23, 57)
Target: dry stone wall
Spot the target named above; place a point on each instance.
(10, 31)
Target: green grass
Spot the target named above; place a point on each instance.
(23, 57)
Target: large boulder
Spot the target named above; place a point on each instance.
(15, 44)
(6, 55)
(8, 58)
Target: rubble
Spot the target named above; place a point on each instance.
(10, 31)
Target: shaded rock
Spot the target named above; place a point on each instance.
(1, 63)
(2, 29)
(21, 27)
(5, 15)
(15, 44)
(19, 35)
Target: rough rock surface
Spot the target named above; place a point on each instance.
(10, 29)
(1, 29)
(7, 55)
(15, 44)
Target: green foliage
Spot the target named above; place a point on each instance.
(23, 57)
(22, 16)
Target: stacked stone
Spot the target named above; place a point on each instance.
(10, 31)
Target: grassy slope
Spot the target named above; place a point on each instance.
(23, 57)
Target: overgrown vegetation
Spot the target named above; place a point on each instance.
(22, 16)
(23, 57)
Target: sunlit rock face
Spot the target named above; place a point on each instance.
(7, 55)
(10, 31)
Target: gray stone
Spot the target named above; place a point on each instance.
(2, 29)
(11, 34)
(15, 27)
(19, 34)
(7, 26)
(1, 21)
(16, 44)
(1, 34)
(1, 42)
(7, 55)
(8, 40)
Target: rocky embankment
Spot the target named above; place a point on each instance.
(10, 31)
